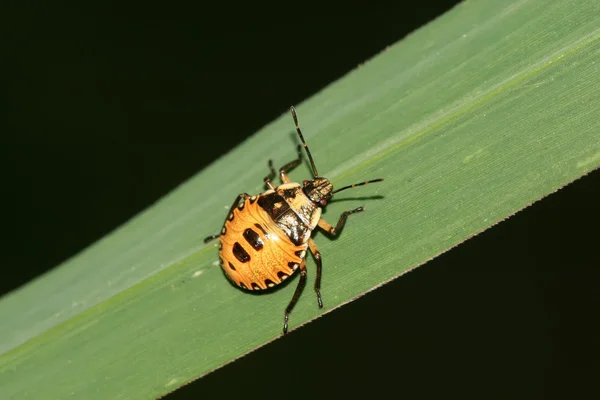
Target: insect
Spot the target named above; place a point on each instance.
(265, 237)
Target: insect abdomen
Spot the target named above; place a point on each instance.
(256, 253)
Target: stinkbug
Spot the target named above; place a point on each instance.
(264, 238)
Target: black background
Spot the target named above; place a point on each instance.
(109, 106)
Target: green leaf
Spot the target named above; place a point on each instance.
(470, 119)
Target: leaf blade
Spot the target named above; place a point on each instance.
(469, 120)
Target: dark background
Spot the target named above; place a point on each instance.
(109, 106)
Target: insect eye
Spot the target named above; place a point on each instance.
(305, 182)
(323, 202)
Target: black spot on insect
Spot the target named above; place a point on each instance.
(240, 253)
(253, 199)
(223, 231)
(292, 265)
(300, 253)
(221, 261)
(255, 286)
(230, 217)
(253, 239)
(241, 205)
(230, 265)
(220, 246)
(242, 285)
(289, 193)
(269, 283)
(274, 205)
(282, 275)
(259, 226)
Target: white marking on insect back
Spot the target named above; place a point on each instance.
(315, 217)
(290, 185)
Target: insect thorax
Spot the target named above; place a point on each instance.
(291, 210)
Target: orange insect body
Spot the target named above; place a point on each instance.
(256, 251)
(265, 237)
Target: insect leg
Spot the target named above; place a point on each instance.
(271, 175)
(211, 237)
(341, 222)
(296, 296)
(289, 166)
(236, 202)
(317, 254)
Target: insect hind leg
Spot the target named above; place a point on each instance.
(211, 237)
(296, 296)
(317, 254)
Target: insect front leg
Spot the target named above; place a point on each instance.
(236, 202)
(296, 296)
(271, 175)
(317, 254)
(289, 166)
(341, 222)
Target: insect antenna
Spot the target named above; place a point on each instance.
(356, 184)
(312, 162)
